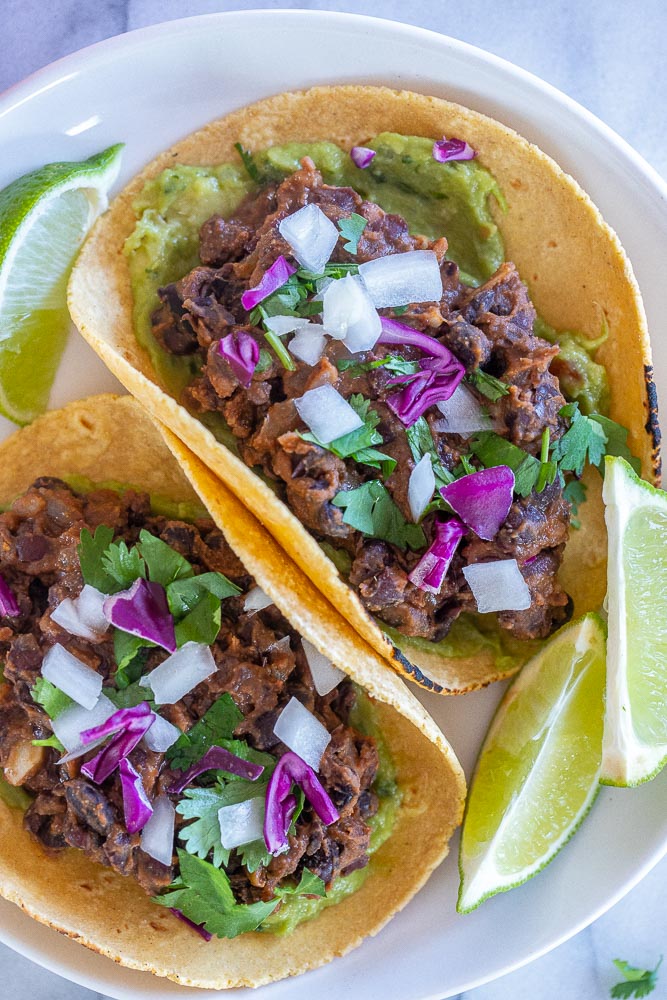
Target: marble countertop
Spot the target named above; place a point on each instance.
(609, 56)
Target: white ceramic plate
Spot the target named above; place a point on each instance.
(153, 86)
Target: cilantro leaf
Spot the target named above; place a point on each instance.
(575, 494)
(52, 699)
(164, 564)
(370, 509)
(493, 450)
(421, 443)
(123, 565)
(488, 385)
(217, 724)
(358, 443)
(202, 836)
(254, 855)
(202, 624)
(126, 650)
(129, 696)
(638, 982)
(351, 230)
(310, 885)
(584, 441)
(204, 894)
(617, 437)
(248, 161)
(90, 550)
(183, 595)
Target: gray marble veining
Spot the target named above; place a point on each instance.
(610, 56)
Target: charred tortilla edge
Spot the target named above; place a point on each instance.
(112, 438)
(576, 269)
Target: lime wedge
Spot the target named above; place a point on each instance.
(44, 217)
(537, 773)
(634, 748)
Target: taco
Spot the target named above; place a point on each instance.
(223, 788)
(406, 354)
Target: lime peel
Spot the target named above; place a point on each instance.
(44, 217)
(636, 518)
(537, 774)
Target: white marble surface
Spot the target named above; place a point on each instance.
(610, 56)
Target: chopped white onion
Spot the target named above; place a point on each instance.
(69, 674)
(161, 735)
(328, 415)
(299, 730)
(280, 325)
(157, 837)
(325, 676)
(308, 344)
(241, 823)
(69, 725)
(311, 235)
(280, 644)
(181, 672)
(256, 600)
(402, 278)
(83, 616)
(462, 413)
(498, 586)
(421, 487)
(349, 314)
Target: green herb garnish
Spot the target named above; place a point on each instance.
(248, 162)
(637, 982)
(351, 229)
(358, 444)
(575, 494)
(52, 699)
(370, 509)
(488, 385)
(217, 724)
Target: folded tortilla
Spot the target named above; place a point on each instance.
(576, 270)
(108, 438)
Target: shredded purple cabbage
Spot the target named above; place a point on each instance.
(122, 719)
(430, 572)
(447, 150)
(280, 803)
(362, 156)
(272, 279)
(482, 499)
(435, 382)
(218, 759)
(143, 610)
(9, 607)
(103, 764)
(241, 351)
(136, 806)
(199, 928)
(401, 334)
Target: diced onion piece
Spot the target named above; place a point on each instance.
(402, 278)
(136, 805)
(157, 837)
(308, 344)
(311, 235)
(498, 586)
(462, 413)
(256, 600)
(325, 676)
(69, 725)
(305, 735)
(241, 823)
(326, 413)
(421, 487)
(362, 156)
(280, 325)
(350, 315)
(161, 735)
(9, 606)
(181, 672)
(70, 675)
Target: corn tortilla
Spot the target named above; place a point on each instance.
(573, 263)
(111, 438)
